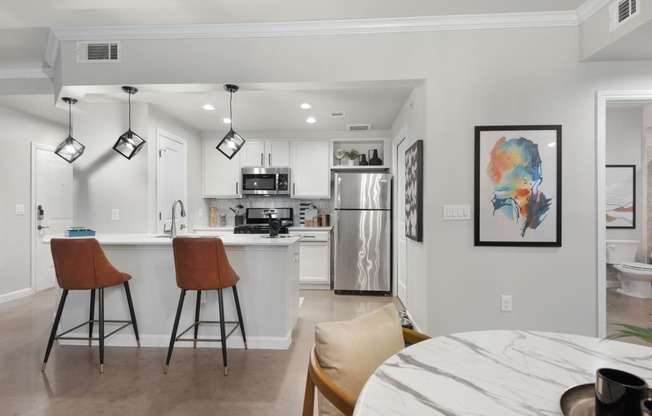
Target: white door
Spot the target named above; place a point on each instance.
(172, 179)
(401, 268)
(51, 210)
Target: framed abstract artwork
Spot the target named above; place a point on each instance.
(517, 186)
(620, 195)
(414, 191)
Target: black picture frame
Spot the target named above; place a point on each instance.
(414, 191)
(517, 192)
(620, 196)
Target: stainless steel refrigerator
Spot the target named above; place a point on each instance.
(363, 219)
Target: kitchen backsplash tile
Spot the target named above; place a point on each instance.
(324, 206)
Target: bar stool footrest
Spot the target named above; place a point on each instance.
(235, 323)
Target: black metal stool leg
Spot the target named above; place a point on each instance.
(237, 308)
(220, 302)
(53, 333)
(197, 305)
(91, 316)
(101, 336)
(174, 330)
(131, 312)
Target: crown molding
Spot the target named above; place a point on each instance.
(589, 8)
(308, 28)
(23, 73)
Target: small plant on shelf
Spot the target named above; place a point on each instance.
(351, 154)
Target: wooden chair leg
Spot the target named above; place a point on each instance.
(101, 335)
(237, 308)
(131, 312)
(174, 329)
(309, 397)
(220, 301)
(91, 317)
(55, 325)
(197, 306)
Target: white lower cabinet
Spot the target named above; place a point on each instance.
(315, 260)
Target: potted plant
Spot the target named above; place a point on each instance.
(352, 155)
(632, 331)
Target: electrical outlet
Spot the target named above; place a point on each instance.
(115, 214)
(200, 213)
(20, 210)
(506, 303)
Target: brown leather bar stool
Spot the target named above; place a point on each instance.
(80, 264)
(202, 264)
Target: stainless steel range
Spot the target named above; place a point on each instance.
(257, 220)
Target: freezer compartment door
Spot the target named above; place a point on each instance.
(362, 250)
(363, 190)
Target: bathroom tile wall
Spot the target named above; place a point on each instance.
(324, 206)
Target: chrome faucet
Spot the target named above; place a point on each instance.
(173, 227)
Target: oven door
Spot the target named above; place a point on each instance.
(259, 183)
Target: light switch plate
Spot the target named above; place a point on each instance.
(457, 212)
(115, 214)
(20, 209)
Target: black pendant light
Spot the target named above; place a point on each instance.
(129, 143)
(70, 149)
(232, 142)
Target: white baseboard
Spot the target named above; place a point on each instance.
(15, 295)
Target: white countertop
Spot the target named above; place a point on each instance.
(229, 239)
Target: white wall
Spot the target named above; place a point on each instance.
(16, 135)
(413, 117)
(624, 144)
(475, 77)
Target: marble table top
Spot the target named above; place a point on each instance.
(494, 373)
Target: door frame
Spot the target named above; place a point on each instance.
(398, 138)
(602, 99)
(32, 211)
(160, 133)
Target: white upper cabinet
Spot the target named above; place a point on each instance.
(266, 153)
(221, 178)
(310, 169)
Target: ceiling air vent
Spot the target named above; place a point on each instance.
(358, 127)
(98, 52)
(337, 113)
(622, 11)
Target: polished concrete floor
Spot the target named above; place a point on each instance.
(260, 382)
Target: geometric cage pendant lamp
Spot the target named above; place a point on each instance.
(69, 149)
(232, 142)
(129, 143)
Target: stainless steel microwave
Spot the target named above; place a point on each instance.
(266, 181)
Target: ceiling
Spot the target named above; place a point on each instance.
(25, 24)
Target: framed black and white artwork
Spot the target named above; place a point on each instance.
(414, 191)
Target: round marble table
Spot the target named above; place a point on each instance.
(493, 373)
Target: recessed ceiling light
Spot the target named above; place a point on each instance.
(226, 120)
(305, 106)
(311, 120)
(208, 107)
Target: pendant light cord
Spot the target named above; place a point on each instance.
(70, 118)
(130, 111)
(231, 109)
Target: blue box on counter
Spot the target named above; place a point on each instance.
(80, 232)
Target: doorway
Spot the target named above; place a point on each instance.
(172, 178)
(603, 99)
(51, 209)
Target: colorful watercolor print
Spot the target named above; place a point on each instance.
(516, 171)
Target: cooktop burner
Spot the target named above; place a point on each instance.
(256, 229)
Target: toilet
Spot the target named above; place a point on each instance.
(635, 278)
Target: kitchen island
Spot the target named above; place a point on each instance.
(268, 291)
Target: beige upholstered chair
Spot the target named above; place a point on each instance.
(345, 355)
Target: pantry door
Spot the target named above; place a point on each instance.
(172, 179)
